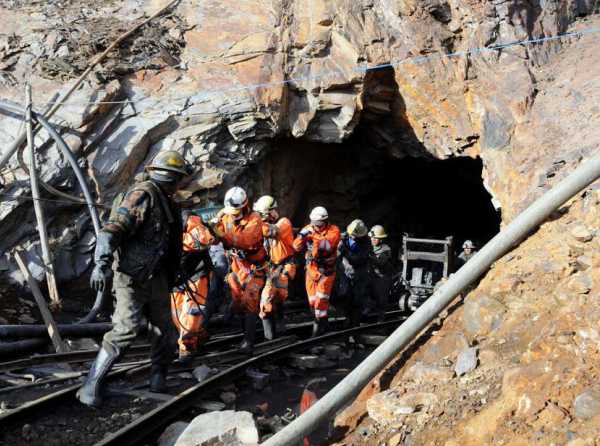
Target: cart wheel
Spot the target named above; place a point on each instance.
(413, 303)
(403, 302)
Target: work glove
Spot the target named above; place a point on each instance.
(100, 278)
(353, 245)
(305, 233)
(213, 226)
(240, 253)
(106, 243)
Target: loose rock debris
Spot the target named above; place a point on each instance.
(74, 32)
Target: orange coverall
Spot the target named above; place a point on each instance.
(188, 303)
(279, 240)
(321, 256)
(243, 240)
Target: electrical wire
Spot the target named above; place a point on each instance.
(366, 68)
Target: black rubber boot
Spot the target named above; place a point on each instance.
(185, 358)
(249, 333)
(355, 316)
(320, 327)
(269, 328)
(90, 393)
(315, 328)
(158, 378)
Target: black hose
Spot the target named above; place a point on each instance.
(60, 143)
(66, 330)
(13, 348)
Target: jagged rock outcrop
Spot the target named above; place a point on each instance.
(223, 81)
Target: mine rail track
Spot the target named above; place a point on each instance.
(80, 356)
(89, 355)
(148, 425)
(31, 408)
(267, 350)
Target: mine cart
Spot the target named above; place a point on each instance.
(425, 262)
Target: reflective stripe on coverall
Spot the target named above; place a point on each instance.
(189, 303)
(244, 241)
(321, 254)
(279, 239)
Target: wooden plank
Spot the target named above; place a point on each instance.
(37, 205)
(59, 345)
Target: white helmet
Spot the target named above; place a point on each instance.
(235, 201)
(319, 214)
(265, 204)
(468, 244)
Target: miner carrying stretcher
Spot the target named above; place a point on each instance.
(278, 241)
(196, 294)
(240, 230)
(145, 230)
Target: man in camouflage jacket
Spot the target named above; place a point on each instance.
(145, 230)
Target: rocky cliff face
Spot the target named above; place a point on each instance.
(223, 82)
(231, 84)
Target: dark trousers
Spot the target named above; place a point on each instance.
(354, 299)
(140, 306)
(380, 290)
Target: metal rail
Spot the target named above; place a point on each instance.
(149, 424)
(31, 407)
(144, 365)
(186, 398)
(88, 355)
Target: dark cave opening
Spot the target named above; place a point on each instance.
(382, 174)
(419, 196)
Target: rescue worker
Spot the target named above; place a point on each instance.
(468, 252)
(353, 265)
(240, 230)
(196, 296)
(145, 228)
(381, 269)
(278, 239)
(320, 240)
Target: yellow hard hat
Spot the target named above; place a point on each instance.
(377, 231)
(171, 161)
(265, 204)
(357, 228)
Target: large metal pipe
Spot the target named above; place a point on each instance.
(66, 330)
(513, 234)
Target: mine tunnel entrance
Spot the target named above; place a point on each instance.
(419, 196)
